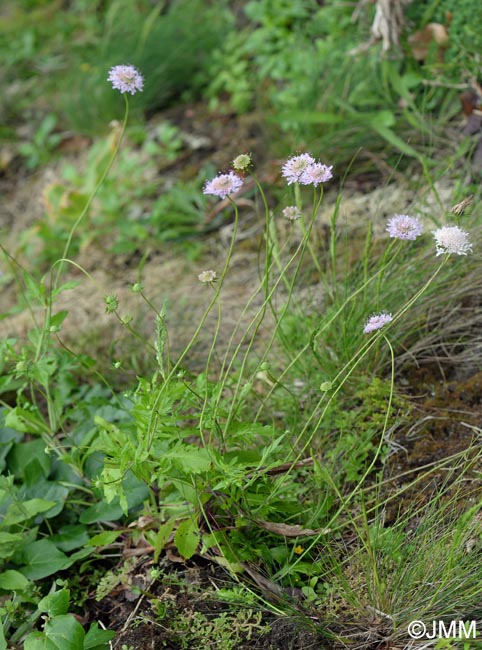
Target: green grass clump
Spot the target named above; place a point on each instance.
(170, 47)
(66, 55)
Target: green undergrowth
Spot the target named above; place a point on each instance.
(65, 54)
(307, 68)
(301, 67)
(273, 462)
(270, 463)
(134, 210)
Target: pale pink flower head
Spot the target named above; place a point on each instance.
(291, 213)
(295, 166)
(126, 78)
(223, 185)
(401, 226)
(207, 276)
(452, 239)
(315, 174)
(377, 321)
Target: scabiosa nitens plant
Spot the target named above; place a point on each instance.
(295, 166)
(315, 174)
(377, 321)
(223, 185)
(207, 276)
(452, 239)
(291, 213)
(126, 78)
(401, 226)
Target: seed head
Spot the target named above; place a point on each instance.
(242, 162)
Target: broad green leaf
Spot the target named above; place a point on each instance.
(9, 543)
(10, 538)
(38, 641)
(97, 639)
(8, 438)
(80, 554)
(34, 474)
(55, 604)
(42, 559)
(24, 510)
(11, 580)
(65, 632)
(136, 493)
(53, 492)
(105, 538)
(3, 643)
(187, 538)
(101, 511)
(28, 460)
(70, 536)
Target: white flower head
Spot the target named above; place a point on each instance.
(452, 240)
(291, 213)
(223, 185)
(295, 166)
(207, 276)
(401, 226)
(316, 173)
(126, 78)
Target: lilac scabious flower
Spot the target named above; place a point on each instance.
(452, 239)
(223, 185)
(295, 166)
(377, 321)
(291, 213)
(401, 226)
(315, 174)
(207, 276)
(126, 78)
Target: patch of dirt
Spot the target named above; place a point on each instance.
(444, 431)
(180, 611)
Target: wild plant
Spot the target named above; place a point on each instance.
(240, 462)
